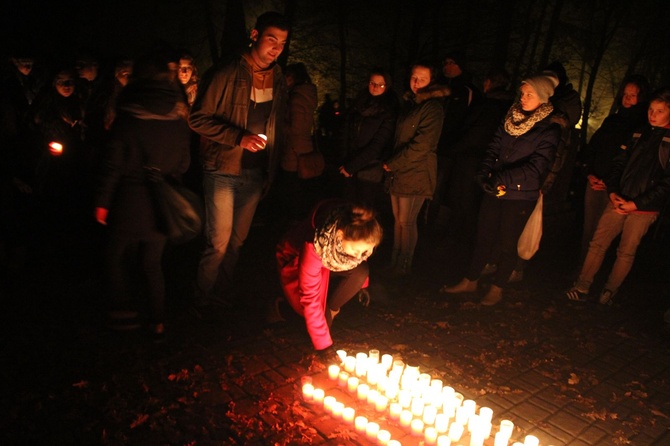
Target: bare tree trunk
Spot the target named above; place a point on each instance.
(234, 36)
(500, 48)
(538, 35)
(342, 28)
(524, 46)
(551, 32)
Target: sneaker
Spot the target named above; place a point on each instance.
(516, 276)
(606, 297)
(489, 268)
(577, 295)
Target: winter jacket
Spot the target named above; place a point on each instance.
(413, 164)
(303, 277)
(369, 130)
(520, 163)
(220, 112)
(641, 172)
(148, 131)
(302, 103)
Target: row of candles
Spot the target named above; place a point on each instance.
(415, 400)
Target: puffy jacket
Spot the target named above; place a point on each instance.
(520, 163)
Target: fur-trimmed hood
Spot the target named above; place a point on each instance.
(432, 91)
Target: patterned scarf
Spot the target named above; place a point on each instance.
(518, 122)
(329, 247)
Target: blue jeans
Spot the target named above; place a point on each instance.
(632, 228)
(405, 228)
(230, 204)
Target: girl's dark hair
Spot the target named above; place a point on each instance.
(299, 73)
(641, 83)
(662, 95)
(359, 222)
(379, 71)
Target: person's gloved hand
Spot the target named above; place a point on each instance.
(364, 297)
(329, 356)
(485, 183)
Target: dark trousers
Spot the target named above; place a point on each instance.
(122, 254)
(501, 222)
(345, 285)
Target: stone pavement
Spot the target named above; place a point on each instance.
(568, 373)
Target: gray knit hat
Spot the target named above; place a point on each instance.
(543, 84)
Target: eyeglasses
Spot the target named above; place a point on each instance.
(65, 83)
(376, 85)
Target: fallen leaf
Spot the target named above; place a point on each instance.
(141, 419)
(80, 385)
(573, 380)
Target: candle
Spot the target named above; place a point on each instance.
(501, 439)
(471, 406)
(429, 414)
(328, 403)
(531, 440)
(430, 435)
(348, 415)
(424, 381)
(362, 392)
(486, 413)
(318, 395)
(383, 437)
(406, 418)
(395, 409)
(372, 397)
(442, 423)
(392, 390)
(405, 398)
(485, 428)
(374, 355)
(473, 423)
(55, 148)
(342, 354)
(352, 384)
(337, 409)
(476, 439)
(381, 403)
(507, 428)
(462, 415)
(455, 431)
(443, 440)
(398, 364)
(382, 382)
(387, 361)
(349, 364)
(360, 423)
(436, 385)
(394, 443)
(361, 364)
(333, 372)
(308, 392)
(417, 427)
(417, 406)
(371, 430)
(342, 379)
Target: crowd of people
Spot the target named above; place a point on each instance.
(84, 144)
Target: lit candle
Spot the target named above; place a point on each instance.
(387, 361)
(308, 392)
(348, 415)
(476, 439)
(486, 413)
(362, 392)
(342, 379)
(473, 423)
(441, 423)
(429, 414)
(342, 354)
(417, 406)
(318, 395)
(361, 364)
(392, 390)
(381, 403)
(352, 384)
(417, 427)
(337, 409)
(55, 148)
(398, 364)
(405, 398)
(507, 428)
(394, 410)
(383, 437)
(333, 372)
(443, 440)
(436, 385)
(470, 406)
(455, 431)
(350, 364)
(373, 395)
(360, 423)
(383, 381)
(462, 415)
(394, 443)
(501, 439)
(328, 403)
(371, 430)
(531, 440)
(430, 435)
(424, 381)
(374, 355)
(406, 418)
(485, 428)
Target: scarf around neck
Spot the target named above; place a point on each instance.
(518, 122)
(329, 247)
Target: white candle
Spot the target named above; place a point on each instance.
(501, 439)
(405, 398)
(328, 403)
(361, 364)
(430, 435)
(348, 414)
(371, 430)
(398, 364)
(486, 413)
(337, 409)
(373, 395)
(473, 423)
(360, 423)
(349, 364)
(382, 382)
(441, 423)
(387, 361)
(394, 443)
(308, 392)
(485, 428)
(318, 395)
(333, 372)
(342, 354)
(507, 428)
(531, 440)
(443, 440)
(342, 379)
(462, 415)
(471, 406)
(476, 439)
(381, 403)
(352, 384)
(394, 410)
(429, 414)
(406, 418)
(436, 385)
(417, 427)
(374, 356)
(362, 392)
(424, 381)
(455, 431)
(417, 406)
(383, 437)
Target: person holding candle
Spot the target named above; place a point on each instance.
(332, 244)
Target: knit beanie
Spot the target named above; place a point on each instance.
(543, 84)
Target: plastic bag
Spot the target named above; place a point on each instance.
(529, 241)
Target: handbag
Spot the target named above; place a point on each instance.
(373, 172)
(179, 210)
(529, 241)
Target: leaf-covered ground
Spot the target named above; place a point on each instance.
(569, 373)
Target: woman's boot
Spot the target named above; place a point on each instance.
(493, 296)
(464, 286)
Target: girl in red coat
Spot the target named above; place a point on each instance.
(333, 243)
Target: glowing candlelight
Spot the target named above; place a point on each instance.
(442, 423)
(374, 355)
(429, 415)
(318, 395)
(381, 403)
(371, 430)
(394, 443)
(308, 392)
(405, 398)
(352, 384)
(337, 408)
(395, 409)
(342, 354)
(392, 391)
(531, 440)
(443, 440)
(328, 403)
(362, 392)
(349, 364)
(470, 406)
(342, 379)
(417, 427)
(360, 423)
(55, 148)
(383, 437)
(373, 395)
(333, 372)
(348, 415)
(462, 415)
(387, 361)
(436, 385)
(406, 418)
(430, 435)
(417, 406)
(507, 428)
(486, 413)
(501, 439)
(455, 431)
